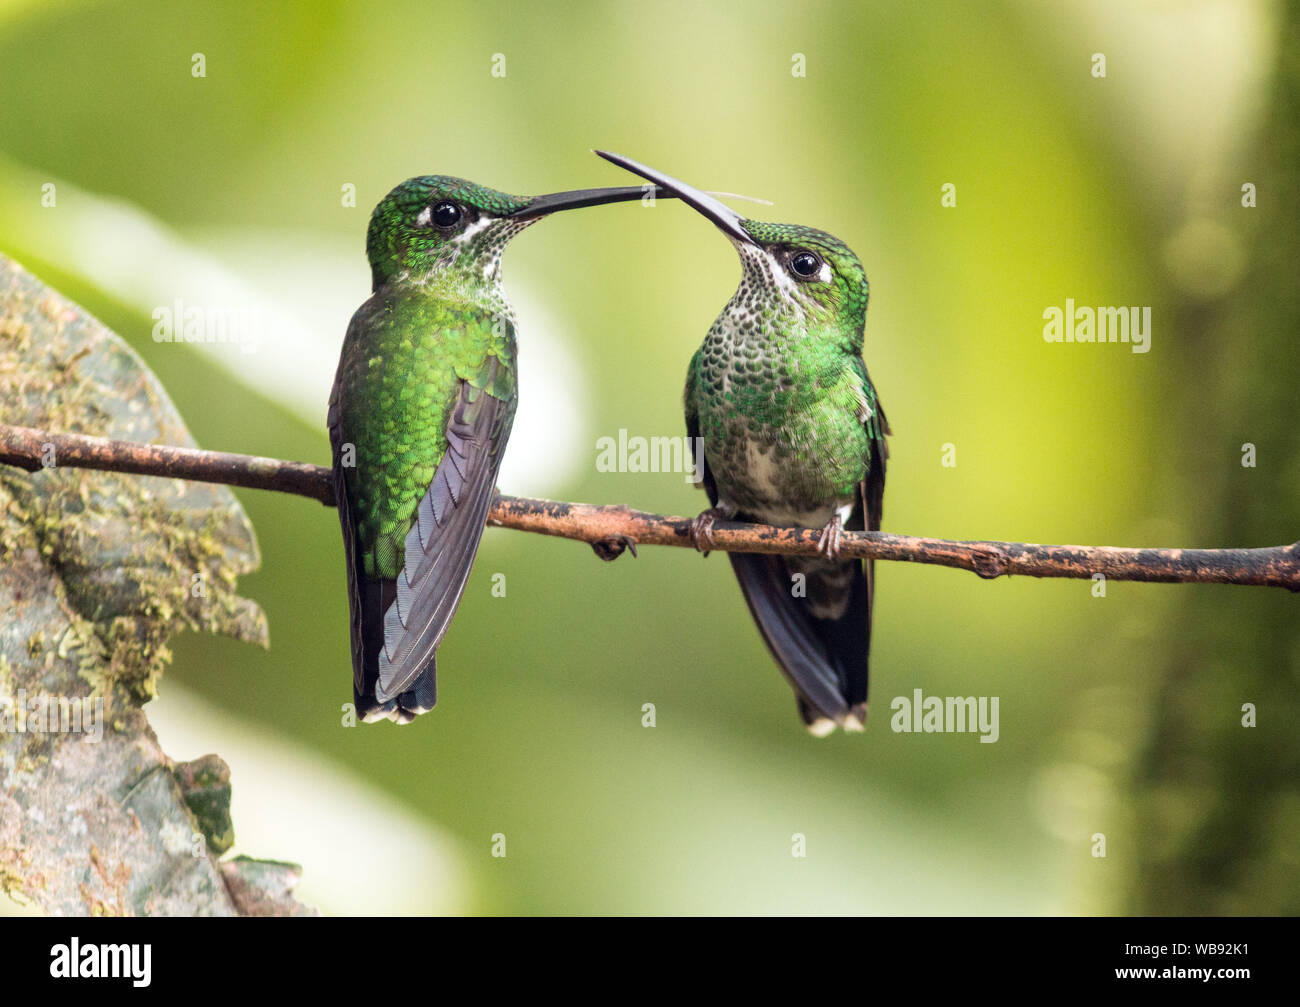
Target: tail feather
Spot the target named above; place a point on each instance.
(375, 595)
(817, 626)
(420, 698)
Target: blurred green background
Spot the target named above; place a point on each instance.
(1119, 715)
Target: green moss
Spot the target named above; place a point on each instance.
(205, 785)
(97, 571)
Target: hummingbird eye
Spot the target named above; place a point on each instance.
(447, 213)
(805, 264)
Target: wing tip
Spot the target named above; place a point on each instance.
(373, 705)
(401, 710)
(819, 725)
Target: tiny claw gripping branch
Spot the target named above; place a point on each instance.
(828, 544)
(702, 531)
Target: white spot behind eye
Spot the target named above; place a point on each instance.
(472, 229)
(425, 218)
(825, 273)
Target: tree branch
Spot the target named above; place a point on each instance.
(610, 529)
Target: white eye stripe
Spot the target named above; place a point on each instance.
(472, 230)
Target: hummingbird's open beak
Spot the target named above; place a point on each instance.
(724, 217)
(575, 199)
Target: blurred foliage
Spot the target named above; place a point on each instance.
(1120, 715)
(1218, 808)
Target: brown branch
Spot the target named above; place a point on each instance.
(609, 529)
(36, 449)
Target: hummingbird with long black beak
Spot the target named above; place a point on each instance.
(793, 435)
(419, 416)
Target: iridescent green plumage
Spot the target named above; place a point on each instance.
(778, 388)
(793, 435)
(422, 407)
(407, 352)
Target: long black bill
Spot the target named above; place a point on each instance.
(575, 199)
(726, 219)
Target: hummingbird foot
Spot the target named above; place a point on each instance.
(702, 528)
(829, 542)
(610, 549)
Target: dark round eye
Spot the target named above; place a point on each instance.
(446, 213)
(805, 264)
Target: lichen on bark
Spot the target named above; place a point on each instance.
(97, 572)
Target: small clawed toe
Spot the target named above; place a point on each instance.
(702, 531)
(829, 542)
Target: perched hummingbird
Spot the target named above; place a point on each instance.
(421, 409)
(793, 435)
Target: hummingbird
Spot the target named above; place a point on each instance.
(421, 409)
(793, 435)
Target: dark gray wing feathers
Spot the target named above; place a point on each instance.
(444, 537)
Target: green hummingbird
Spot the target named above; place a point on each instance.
(421, 409)
(793, 435)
